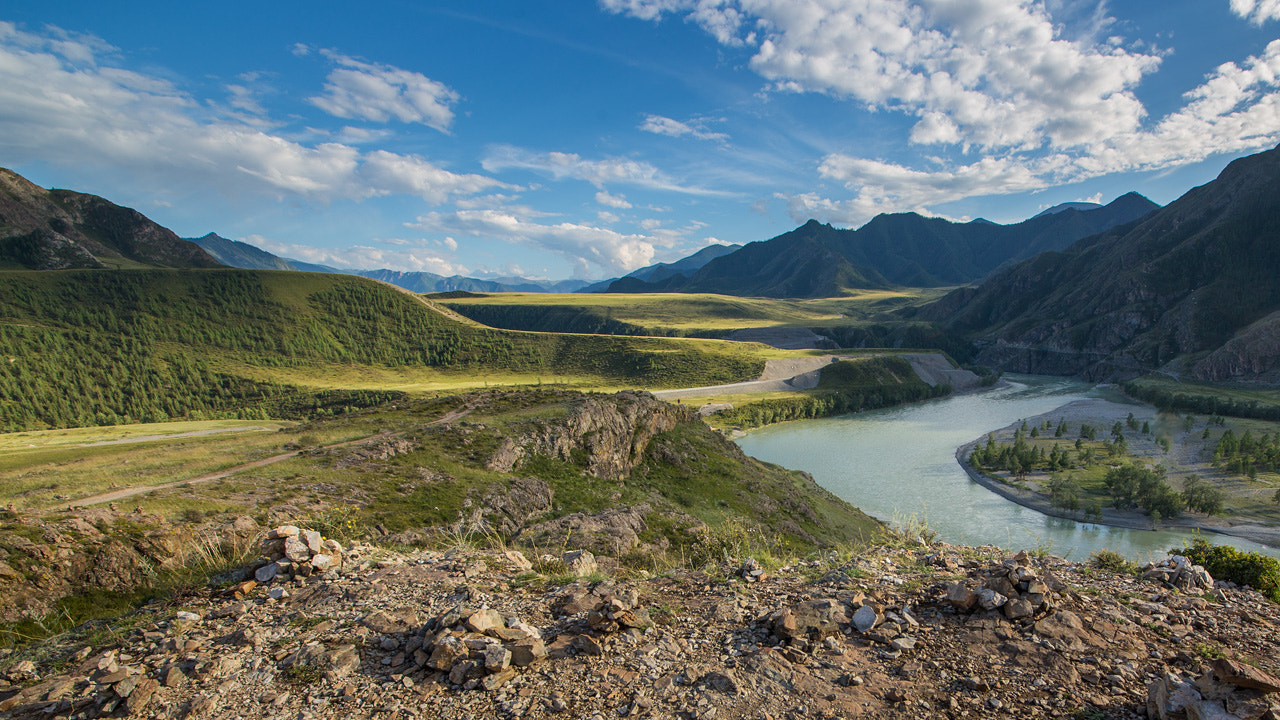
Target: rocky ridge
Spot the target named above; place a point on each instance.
(889, 632)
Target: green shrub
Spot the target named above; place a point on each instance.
(1112, 561)
(1224, 562)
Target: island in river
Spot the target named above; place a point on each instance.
(1099, 433)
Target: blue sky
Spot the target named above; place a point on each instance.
(585, 139)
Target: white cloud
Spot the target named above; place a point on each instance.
(996, 71)
(583, 245)
(361, 257)
(61, 103)
(561, 165)
(1256, 11)
(613, 201)
(607, 217)
(372, 91)
(660, 125)
(1236, 109)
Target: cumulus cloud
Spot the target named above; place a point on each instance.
(613, 201)
(1256, 11)
(372, 91)
(994, 74)
(61, 102)
(583, 245)
(659, 125)
(561, 166)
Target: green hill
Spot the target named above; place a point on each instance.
(106, 347)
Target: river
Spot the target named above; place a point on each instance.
(900, 461)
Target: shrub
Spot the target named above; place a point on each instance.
(1224, 562)
(1112, 561)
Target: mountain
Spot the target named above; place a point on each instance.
(61, 229)
(1067, 206)
(1193, 288)
(242, 255)
(904, 249)
(662, 271)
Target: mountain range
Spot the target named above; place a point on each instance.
(1192, 289)
(904, 249)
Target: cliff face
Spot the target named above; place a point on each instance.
(612, 433)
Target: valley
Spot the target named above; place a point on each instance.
(159, 420)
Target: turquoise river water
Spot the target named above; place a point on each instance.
(900, 461)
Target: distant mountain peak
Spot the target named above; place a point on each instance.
(1063, 207)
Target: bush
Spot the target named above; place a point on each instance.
(1112, 561)
(1224, 562)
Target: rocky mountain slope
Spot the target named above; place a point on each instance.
(1192, 287)
(892, 632)
(236, 254)
(906, 249)
(61, 229)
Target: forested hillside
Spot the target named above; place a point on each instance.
(94, 347)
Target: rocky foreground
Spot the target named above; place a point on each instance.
(936, 631)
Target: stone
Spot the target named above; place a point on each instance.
(174, 677)
(1245, 676)
(141, 695)
(903, 643)
(721, 681)
(526, 652)
(498, 679)
(484, 620)
(866, 618)
(518, 561)
(496, 657)
(322, 562)
(580, 562)
(267, 573)
(313, 540)
(296, 550)
(284, 531)
(447, 653)
(587, 645)
(1018, 609)
(961, 597)
(989, 599)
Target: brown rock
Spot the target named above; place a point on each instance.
(141, 695)
(1245, 676)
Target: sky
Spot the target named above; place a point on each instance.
(587, 138)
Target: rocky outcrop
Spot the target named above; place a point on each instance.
(43, 559)
(611, 432)
(453, 634)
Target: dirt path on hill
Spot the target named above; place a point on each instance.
(193, 433)
(123, 493)
(779, 375)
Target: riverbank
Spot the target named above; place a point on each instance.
(1104, 412)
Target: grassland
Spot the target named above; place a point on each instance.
(676, 315)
